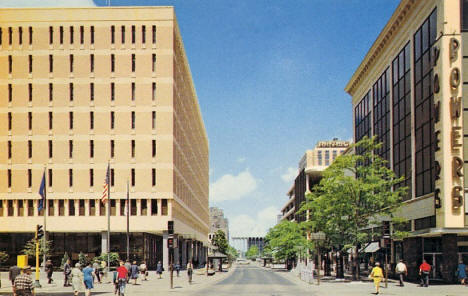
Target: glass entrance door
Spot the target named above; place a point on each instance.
(435, 260)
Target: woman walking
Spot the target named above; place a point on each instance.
(77, 279)
(88, 279)
(377, 275)
(134, 272)
(159, 269)
(461, 272)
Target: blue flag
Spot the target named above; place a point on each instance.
(42, 194)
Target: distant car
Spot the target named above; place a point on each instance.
(242, 261)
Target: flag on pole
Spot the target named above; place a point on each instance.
(42, 194)
(105, 191)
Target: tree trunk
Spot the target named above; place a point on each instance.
(339, 265)
(327, 270)
(356, 263)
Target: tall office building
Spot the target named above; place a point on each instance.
(218, 222)
(82, 88)
(411, 91)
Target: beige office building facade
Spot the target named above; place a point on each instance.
(410, 91)
(84, 88)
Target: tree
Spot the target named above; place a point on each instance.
(64, 259)
(113, 258)
(219, 240)
(252, 252)
(284, 240)
(3, 257)
(30, 247)
(83, 259)
(356, 191)
(232, 254)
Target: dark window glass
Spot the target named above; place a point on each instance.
(50, 149)
(154, 207)
(143, 34)
(464, 14)
(154, 34)
(91, 91)
(144, 207)
(81, 208)
(381, 114)
(91, 177)
(92, 34)
(50, 178)
(51, 92)
(112, 34)
(91, 61)
(153, 177)
(10, 35)
(30, 208)
(81, 34)
(133, 177)
(112, 148)
(133, 62)
(30, 91)
(9, 178)
(91, 148)
(51, 63)
(153, 64)
(30, 120)
(112, 120)
(70, 177)
(133, 119)
(1, 37)
(112, 177)
(133, 91)
(30, 59)
(29, 149)
(71, 92)
(20, 35)
(92, 207)
(30, 35)
(123, 207)
(123, 34)
(133, 148)
(164, 207)
(10, 92)
(91, 120)
(51, 120)
(112, 207)
(133, 207)
(51, 207)
(70, 148)
(9, 149)
(70, 118)
(153, 95)
(10, 121)
(112, 63)
(71, 35)
(10, 64)
(71, 208)
(71, 63)
(154, 148)
(21, 208)
(61, 34)
(133, 34)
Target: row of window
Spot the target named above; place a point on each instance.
(327, 156)
(71, 59)
(71, 91)
(91, 177)
(70, 148)
(71, 34)
(118, 207)
(91, 120)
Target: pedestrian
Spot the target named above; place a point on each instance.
(49, 269)
(67, 272)
(128, 265)
(461, 272)
(144, 270)
(96, 268)
(88, 278)
(115, 280)
(377, 275)
(77, 279)
(23, 285)
(13, 272)
(159, 269)
(134, 272)
(401, 270)
(104, 271)
(190, 271)
(424, 270)
(122, 276)
(177, 268)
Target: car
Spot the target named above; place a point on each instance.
(243, 262)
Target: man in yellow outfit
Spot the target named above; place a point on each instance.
(377, 275)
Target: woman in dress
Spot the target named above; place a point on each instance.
(461, 272)
(77, 279)
(377, 275)
(88, 279)
(159, 269)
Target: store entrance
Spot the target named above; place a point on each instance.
(435, 260)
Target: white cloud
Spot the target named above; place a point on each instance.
(46, 3)
(290, 175)
(241, 159)
(230, 187)
(244, 225)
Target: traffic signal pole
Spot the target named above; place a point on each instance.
(37, 284)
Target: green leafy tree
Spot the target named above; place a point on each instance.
(83, 259)
(232, 254)
(64, 259)
(284, 240)
(252, 252)
(219, 240)
(356, 190)
(30, 247)
(3, 257)
(113, 257)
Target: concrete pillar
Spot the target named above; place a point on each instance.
(449, 257)
(165, 250)
(184, 252)
(412, 254)
(104, 242)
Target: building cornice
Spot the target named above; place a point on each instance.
(395, 23)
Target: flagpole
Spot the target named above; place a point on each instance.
(128, 223)
(108, 215)
(46, 210)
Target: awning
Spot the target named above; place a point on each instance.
(372, 247)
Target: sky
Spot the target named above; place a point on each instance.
(270, 78)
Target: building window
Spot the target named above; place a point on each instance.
(381, 114)
(133, 207)
(51, 120)
(112, 62)
(164, 207)
(143, 34)
(327, 157)
(10, 92)
(112, 207)
(91, 91)
(154, 34)
(154, 207)
(70, 118)
(102, 209)
(30, 120)
(70, 148)
(9, 178)
(153, 64)
(81, 34)
(10, 119)
(30, 59)
(71, 35)
(401, 83)
(133, 119)
(362, 120)
(30, 91)
(133, 177)
(30, 35)
(144, 207)
(112, 120)
(29, 149)
(112, 177)
(30, 208)
(133, 91)
(92, 207)
(153, 95)
(71, 208)
(112, 91)
(20, 35)
(123, 207)
(133, 62)
(424, 38)
(153, 177)
(1, 37)
(91, 120)
(112, 149)
(9, 150)
(133, 34)
(61, 34)
(91, 148)
(123, 34)
(51, 63)
(71, 63)
(71, 92)
(92, 34)
(70, 177)
(10, 35)
(51, 207)
(51, 35)
(319, 157)
(61, 207)
(112, 34)
(51, 92)
(154, 148)
(10, 64)
(91, 177)
(11, 209)
(133, 148)
(91, 61)
(50, 149)
(50, 177)
(20, 208)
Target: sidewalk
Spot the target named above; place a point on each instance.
(153, 286)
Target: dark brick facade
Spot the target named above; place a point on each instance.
(412, 254)
(449, 257)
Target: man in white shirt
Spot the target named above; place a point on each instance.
(400, 269)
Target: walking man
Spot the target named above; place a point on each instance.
(12, 274)
(401, 270)
(23, 285)
(424, 270)
(122, 275)
(190, 271)
(49, 268)
(67, 272)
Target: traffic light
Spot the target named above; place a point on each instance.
(170, 227)
(39, 231)
(386, 229)
(170, 242)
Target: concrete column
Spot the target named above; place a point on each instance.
(104, 242)
(412, 254)
(165, 252)
(184, 252)
(449, 256)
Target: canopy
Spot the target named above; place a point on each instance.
(372, 247)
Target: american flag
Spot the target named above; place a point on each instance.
(105, 191)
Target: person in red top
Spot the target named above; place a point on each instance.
(122, 274)
(424, 270)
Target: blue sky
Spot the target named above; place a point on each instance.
(269, 77)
